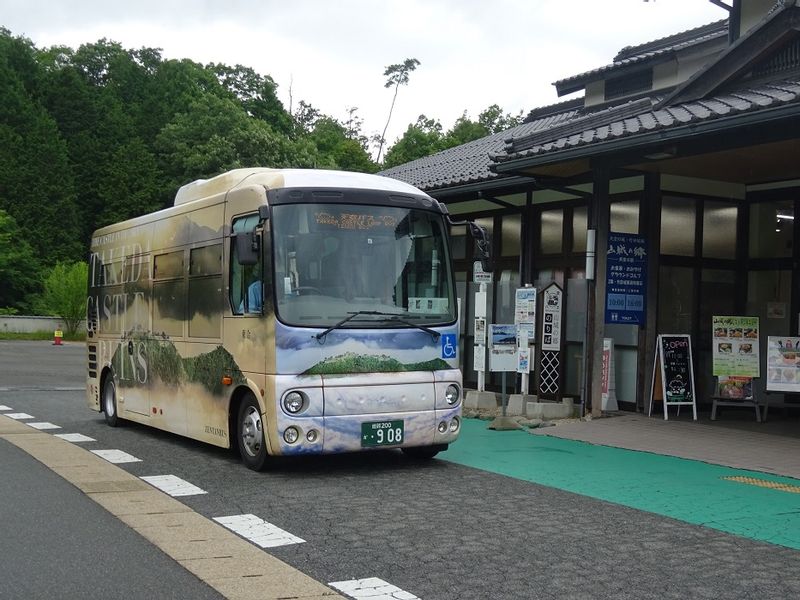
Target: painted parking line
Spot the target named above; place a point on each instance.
(258, 531)
(74, 437)
(172, 485)
(4, 407)
(372, 588)
(42, 425)
(19, 416)
(116, 456)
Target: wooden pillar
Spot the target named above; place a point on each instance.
(600, 221)
(650, 228)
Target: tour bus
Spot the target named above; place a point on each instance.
(281, 312)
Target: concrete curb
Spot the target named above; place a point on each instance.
(231, 565)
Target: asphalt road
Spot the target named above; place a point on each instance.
(438, 530)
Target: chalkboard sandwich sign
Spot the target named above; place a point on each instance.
(673, 374)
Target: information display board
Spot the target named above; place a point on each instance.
(503, 347)
(525, 311)
(735, 346)
(783, 364)
(626, 279)
(673, 373)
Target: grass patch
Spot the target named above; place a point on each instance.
(79, 336)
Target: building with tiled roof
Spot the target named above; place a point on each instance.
(687, 144)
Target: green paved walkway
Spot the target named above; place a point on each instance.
(687, 490)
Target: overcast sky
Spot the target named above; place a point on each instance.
(332, 54)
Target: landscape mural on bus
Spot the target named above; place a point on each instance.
(344, 351)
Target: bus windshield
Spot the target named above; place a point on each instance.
(333, 260)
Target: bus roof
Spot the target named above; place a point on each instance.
(290, 178)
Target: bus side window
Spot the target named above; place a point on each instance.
(250, 285)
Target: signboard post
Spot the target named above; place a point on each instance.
(673, 374)
(626, 278)
(525, 321)
(550, 347)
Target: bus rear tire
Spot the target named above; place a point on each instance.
(110, 402)
(250, 434)
(424, 452)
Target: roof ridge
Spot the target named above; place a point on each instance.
(672, 40)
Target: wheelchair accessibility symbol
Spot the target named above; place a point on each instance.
(449, 345)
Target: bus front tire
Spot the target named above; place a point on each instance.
(424, 452)
(250, 434)
(110, 402)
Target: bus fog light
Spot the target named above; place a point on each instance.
(293, 402)
(452, 394)
(454, 424)
(443, 427)
(290, 435)
(312, 435)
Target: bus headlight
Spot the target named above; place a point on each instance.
(454, 425)
(452, 394)
(443, 427)
(290, 435)
(293, 402)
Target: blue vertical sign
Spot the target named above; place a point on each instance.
(626, 279)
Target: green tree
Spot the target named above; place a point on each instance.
(420, 139)
(495, 121)
(464, 130)
(256, 93)
(19, 268)
(336, 150)
(396, 75)
(65, 293)
(36, 185)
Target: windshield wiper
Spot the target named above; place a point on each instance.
(321, 336)
(434, 334)
(392, 317)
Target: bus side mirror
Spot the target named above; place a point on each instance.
(246, 247)
(263, 213)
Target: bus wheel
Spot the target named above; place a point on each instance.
(424, 452)
(250, 434)
(110, 401)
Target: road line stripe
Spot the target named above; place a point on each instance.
(74, 437)
(258, 531)
(116, 456)
(372, 588)
(172, 485)
(43, 425)
(4, 407)
(19, 416)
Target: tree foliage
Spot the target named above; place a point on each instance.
(65, 293)
(103, 133)
(396, 75)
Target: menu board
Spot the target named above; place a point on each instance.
(673, 373)
(735, 346)
(783, 364)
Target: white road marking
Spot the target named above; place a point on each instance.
(174, 486)
(43, 425)
(258, 531)
(20, 416)
(75, 437)
(4, 407)
(116, 456)
(372, 588)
